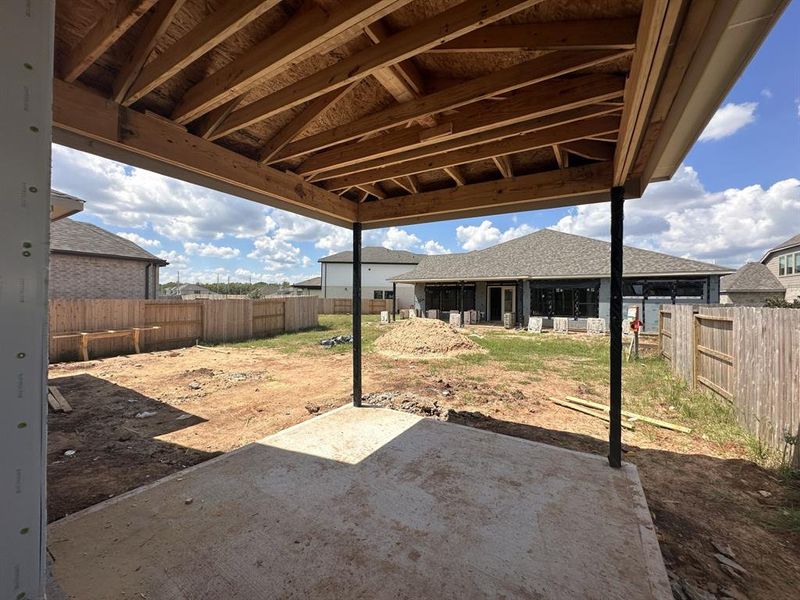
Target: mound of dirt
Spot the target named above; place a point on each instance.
(424, 337)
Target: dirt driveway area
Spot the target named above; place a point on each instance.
(138, 418)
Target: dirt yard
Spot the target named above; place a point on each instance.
(138, 418)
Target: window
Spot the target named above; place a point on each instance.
(792, 261)
(445, 297)
(797, 263)
(377, 294)
(564, 302)
(387, 295)
(782, 266)
(663, 288)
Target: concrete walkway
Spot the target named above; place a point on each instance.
(375, 504)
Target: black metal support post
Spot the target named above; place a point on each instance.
(356, 314)
(394, 301)
(615, 324)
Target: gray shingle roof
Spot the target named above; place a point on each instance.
(77, 237)
(314, 282)
(376, 254)
(752, 277)
(791, 242)
(549, 254)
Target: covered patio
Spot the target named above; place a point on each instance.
(363, 114)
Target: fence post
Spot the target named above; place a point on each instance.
(695, 351)
(660, 334)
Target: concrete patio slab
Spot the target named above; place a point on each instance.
(371, 503)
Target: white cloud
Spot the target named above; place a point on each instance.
(680, 217)
(210, 250)
(797, 105)
(277, 254)
(767, 93)
(139, 240)
(434, 247)
(728, 120)
(126, 196)
(472, 237)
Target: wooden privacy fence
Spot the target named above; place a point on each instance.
(179, 323)
(344, 306)
(749, 356)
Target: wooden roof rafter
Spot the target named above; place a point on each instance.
(259, 85)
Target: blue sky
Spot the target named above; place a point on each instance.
(737, 193)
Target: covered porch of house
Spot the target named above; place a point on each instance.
(587, 102)
(371, 503)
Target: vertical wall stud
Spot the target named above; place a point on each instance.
(26, 69)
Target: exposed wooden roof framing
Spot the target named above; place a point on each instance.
(400, 111)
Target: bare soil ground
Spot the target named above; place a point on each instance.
(701, 492)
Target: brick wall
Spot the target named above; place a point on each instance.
(75, 276)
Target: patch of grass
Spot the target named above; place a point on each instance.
(308, 339)
(650, 388)
(533, 354)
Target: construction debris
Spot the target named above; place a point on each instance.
(56, 401)
(592, 413)
(631, 415)
(335, 341)
(420, 337)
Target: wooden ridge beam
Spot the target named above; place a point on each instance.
(157, 24)
(551, 189)
(659, 22)
(537, 101)
(80, 114)
(112, 25)
(449, 145)
(305, 31)
(592, 34)
(301, 122)
(534, 71)
(511, 145)
(458, 20)
(591, 149)
(216, 27)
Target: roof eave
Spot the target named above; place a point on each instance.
(734, 32)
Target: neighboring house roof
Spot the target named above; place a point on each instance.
(549, 254)
(785, 245)
(752, 277)
(376, 255)
(188, 288)
(313, 283)
(76, 237)
(63, 205)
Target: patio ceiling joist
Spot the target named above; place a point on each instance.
(537, 101)
(216, 27)
(462, 18)
(79, 111)
(519, 143)
(451, 144)
(587, 34)
(108, 30)
(550, 189)
(306, 31)
(157, 24)
(537, 70)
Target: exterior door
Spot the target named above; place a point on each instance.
(502, 299)
(495, 304)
